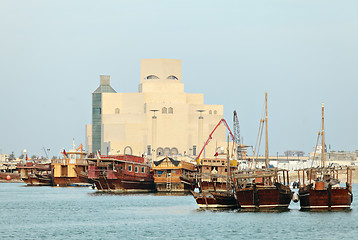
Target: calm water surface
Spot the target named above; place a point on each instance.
(81, 213)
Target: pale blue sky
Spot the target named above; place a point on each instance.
(302, 52)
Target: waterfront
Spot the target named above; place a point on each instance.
(81, 213)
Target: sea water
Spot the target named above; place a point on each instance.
(82, 213)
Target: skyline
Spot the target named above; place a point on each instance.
(302, 53)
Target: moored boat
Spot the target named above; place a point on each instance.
(36, 174)
(263, 189)
(72, 169)
(321, 189)
(173, 176)
(213, 177)
(121, 173)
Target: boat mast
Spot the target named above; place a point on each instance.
(266, 135)
(323, 140)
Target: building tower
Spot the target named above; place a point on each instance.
(104, 87)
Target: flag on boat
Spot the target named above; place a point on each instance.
(64, 153)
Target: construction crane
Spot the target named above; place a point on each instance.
(241, 149)
(222, 121)
(236, 129)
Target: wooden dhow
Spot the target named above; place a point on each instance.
(213, 177)
(121, 173)
(173, 176)
(320, 187)
(36, 174)
(262, 189)
(72, 169)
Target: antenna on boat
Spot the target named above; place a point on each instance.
(323, 140)
(266, 135)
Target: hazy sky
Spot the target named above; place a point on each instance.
(302, 52)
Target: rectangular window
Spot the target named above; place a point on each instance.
(129, 168)
(194, 150)
(136, 169)
(145, 108)
(142, 169)
(97, 111)
(149, 150)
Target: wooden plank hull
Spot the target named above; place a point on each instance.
(124, 185)
(38, 180)
(69, 181)
(261, 198)
(335, 199)
(175, 187)
(215, 200)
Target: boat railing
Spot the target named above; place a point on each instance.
(69, 161)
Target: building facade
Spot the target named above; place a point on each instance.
(160, 119)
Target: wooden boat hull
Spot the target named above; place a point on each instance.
(261, 198)
(175, 187)
(334, 199)
(215, 200)
(124, 185)
(38, 180)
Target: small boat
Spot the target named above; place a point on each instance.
(321, 189)
(36, 174)
(263, 189)
(72, 169)
(121, 173)
(173, 176)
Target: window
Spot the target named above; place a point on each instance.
(129, 168)
(127, 150)
(172, 77)
(174, 151)
(170, 110)
(97, 111)
(215, 112)
(145, 108)
(117, 111)
(164, 110)
(210, 112)
(151, 77)
(142, 169)
(166, 151)
(160, 151)
(136, 169)
(149, 150)
(194, 150)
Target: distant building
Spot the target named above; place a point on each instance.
(160, 119)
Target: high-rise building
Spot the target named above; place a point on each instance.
(160, 119)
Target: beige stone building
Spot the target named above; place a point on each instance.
(160, 119)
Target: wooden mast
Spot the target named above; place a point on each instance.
(266, 135)
(323, 140)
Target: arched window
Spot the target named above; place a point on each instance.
(151, 77)
(174, 151)
(128, 150)
(117, 111)
(166, 151)
(172, 77)
(164, 110)
(170, 110)
(215, 112)
(210, 112)
(160, 151)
